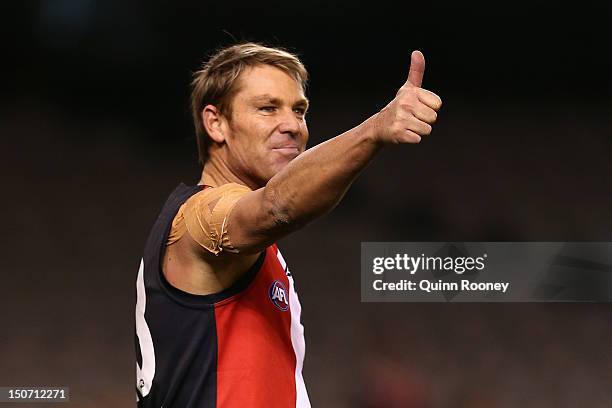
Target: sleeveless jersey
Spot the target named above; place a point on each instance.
(242, 347)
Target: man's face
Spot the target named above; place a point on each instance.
(267, 128)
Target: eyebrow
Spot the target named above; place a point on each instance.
(276, 101)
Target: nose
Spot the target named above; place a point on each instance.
(290, 124)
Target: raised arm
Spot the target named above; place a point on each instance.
(314, 183)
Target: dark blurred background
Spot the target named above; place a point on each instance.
(96, 131)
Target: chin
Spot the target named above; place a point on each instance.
(278, 163)
(277, 167)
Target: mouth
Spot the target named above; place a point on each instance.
(290, 151)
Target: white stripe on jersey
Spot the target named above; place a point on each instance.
(281, 260)
(144, 375)
(297, 339)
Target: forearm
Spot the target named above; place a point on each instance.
(314, 183)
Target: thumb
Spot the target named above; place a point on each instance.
(417, 69)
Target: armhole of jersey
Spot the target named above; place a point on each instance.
(207, 301)
(157, 250)
(204, 301)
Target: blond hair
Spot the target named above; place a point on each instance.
(216, 82)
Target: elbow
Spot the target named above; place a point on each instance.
(280, 210)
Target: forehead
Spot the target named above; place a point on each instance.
(268, 80)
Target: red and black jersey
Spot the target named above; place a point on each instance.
(242, 347)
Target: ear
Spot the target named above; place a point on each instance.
(214, 123)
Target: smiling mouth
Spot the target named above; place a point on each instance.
(288, 150)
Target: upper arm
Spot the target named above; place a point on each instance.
(206, 214)
(257, 220)
(231, 219)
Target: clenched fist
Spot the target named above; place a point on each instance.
(410, 115)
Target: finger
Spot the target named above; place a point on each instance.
(419, 127)
(425, 114)
(410, 137)
(429, 98)
(417, 69)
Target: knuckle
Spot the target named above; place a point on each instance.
(408, 136)
(409, 93)
(407, 105)
(394, 129)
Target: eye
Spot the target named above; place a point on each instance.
(300, 111)
(268, 109)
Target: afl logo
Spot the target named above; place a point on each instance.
(278, 295)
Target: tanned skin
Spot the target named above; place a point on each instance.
(262, 146)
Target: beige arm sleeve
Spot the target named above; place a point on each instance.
(204, 217)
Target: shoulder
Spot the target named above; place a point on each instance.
(206, 213)
(225, 190)
(216, 200)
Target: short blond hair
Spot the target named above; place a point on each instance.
(216, 82)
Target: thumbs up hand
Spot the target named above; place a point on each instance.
(410, 115)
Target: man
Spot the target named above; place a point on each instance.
(217, 315)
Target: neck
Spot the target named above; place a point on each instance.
(216, 171)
